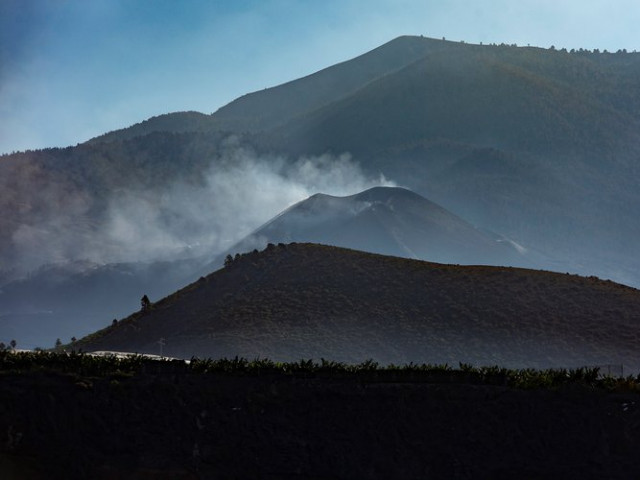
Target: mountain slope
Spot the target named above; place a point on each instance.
(274, 106)
(304, 300)
(267, 109)
(388, 221)
(529, 100)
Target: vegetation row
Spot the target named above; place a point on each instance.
(83, 364)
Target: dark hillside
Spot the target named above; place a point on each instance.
(310, 301)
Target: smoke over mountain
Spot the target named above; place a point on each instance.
(194, 214)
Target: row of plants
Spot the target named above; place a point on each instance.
(106, 365)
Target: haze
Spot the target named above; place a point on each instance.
(71, 70)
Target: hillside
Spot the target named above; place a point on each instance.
(310, 301)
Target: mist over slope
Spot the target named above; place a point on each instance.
(159, 197)
(86, 252)
(308, 301)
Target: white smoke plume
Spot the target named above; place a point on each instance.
(238, 193)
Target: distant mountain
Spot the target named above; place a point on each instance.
(308, 301)
(390, 221)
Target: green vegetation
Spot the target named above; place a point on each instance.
(83, 364)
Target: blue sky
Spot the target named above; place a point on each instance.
(73, 69)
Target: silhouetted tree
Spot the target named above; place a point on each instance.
(145, 304)
(73, 339)
(58, 343)
(12, 344)
(228, 260)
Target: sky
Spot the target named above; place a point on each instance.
(73, 69)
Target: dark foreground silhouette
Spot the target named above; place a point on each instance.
(168, 422)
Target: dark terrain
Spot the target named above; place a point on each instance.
(166, 423)
(309, 301)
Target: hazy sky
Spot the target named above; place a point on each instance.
(73, 69)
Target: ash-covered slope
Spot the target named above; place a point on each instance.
(390, 221)
(308, 301)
